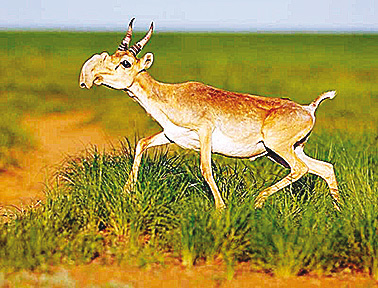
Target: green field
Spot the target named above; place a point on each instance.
(171, 210)
(40, 70)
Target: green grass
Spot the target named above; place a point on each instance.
(86, 215)
(171, 210)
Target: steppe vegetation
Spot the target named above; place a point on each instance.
(171, 214)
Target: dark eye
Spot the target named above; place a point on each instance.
(126, 64)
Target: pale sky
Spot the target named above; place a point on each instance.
(194, 15)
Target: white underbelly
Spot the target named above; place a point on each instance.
(183, 137)
(236, 147)
(221, 143)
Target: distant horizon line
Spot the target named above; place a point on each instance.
(117, 28)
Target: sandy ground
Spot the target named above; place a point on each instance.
(172, 275)
(57, 136)
(207, 275)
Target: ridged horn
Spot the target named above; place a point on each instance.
(126, 41)
(137, 47)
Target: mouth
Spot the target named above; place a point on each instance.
(111, 87)
(108, 86)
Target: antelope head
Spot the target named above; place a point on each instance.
(119, 70)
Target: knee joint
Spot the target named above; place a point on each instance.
(206, 172)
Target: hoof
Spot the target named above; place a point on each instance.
(336, 207)
(129, 187)
(259, 202)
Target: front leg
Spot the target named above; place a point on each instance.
(143, 144)
(205, 150)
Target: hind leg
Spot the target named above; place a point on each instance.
(282, 128)
(324, 170)
(298, 169)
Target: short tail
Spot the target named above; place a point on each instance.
(327, 95)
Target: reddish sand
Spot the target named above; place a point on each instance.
(209, 275)
(57, 136)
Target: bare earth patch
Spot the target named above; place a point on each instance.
(57, 136)
(175, 275)
(206, 275)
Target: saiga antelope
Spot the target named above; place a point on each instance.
(200, 117)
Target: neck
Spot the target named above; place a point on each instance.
(155, 97)
(146, 87)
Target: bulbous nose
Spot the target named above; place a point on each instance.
(85, 81)
(86, 74)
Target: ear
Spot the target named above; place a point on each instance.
(147, 61)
